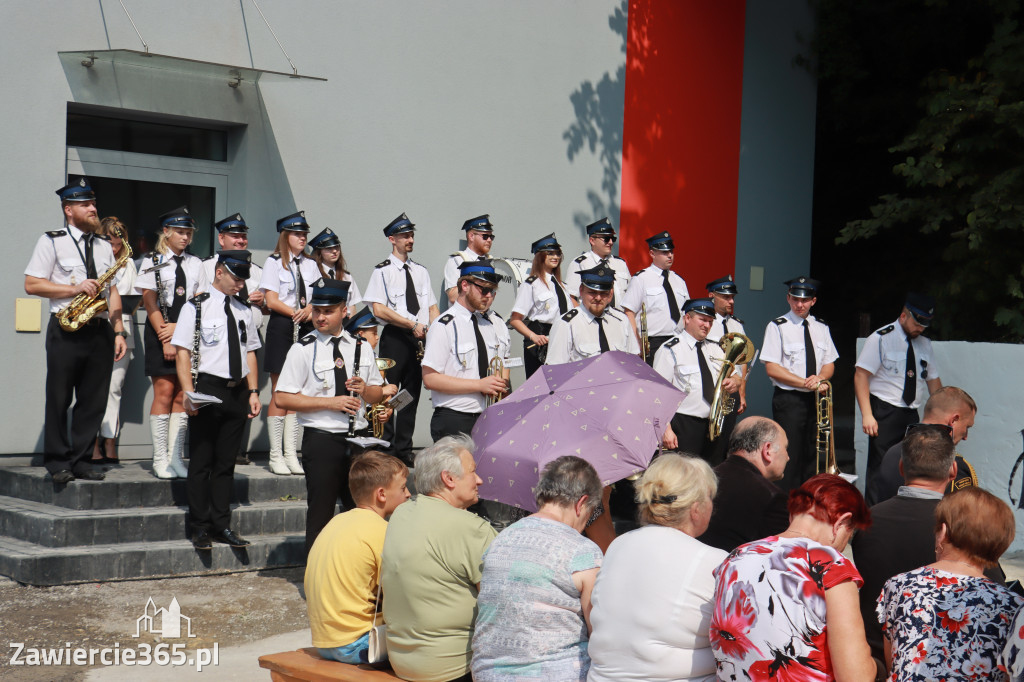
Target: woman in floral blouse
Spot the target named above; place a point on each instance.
(786, 607)
(947, 620)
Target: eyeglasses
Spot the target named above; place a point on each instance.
(607, 238)
(942, 428)
(484, 291)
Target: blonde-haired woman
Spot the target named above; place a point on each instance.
(653, 599)
(288, 278)
(113, 229)
(169, 277)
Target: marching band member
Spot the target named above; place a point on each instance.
(602, 238)
(692, 364)
(288, 276)
(326, 248)
(326, 379)
(220, 328)
(723, 294)
(479, 239)
(64, 264)
(798, 354)
(164, 292)
(593, 328)
(459, 352)
(540, 303)
(661, 290)
(364, 325)
(402, 298)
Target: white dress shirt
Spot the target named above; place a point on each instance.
(648, 286)
(538, 302)
(591, 260)
(574, 336)
(251, 284)
(195, 277)
(885, 356)
(451, 266)
(784, 345)
(677, 361)
(285, 283)
(59, 256)
(387, 287)
(214, 352)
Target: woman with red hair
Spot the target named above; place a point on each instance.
(786, 607)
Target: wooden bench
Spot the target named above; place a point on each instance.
(306, 665)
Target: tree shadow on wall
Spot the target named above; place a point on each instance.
(598, 128)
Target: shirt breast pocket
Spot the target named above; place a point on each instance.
(67, 264)
(688, 377)
(794, 353)
(466, 354)
(654, 296)
(588, 349)
(892, 362)
(285, 284)
(212, 333)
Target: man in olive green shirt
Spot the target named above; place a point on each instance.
(431, 567)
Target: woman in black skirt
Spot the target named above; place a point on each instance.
(288, 278)
(540, 299)
(168, 277)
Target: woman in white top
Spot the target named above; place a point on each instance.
(168, 277)
(654, 596)
(539, 301)
(288, 278)
(326, 248)
(110, 427)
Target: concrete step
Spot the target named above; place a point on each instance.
(133, 485)
(35, 565)
(52, 526)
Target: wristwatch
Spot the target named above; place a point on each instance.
(123, 334)
(254, 390)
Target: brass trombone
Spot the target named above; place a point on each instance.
(825, 446)
(645, 341)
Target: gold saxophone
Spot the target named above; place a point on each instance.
(739, 350)
(645, 341)
(825, 446)
(377, 409)
(84, 307)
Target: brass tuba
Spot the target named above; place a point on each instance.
(825, 446)
(739, 350)
(84, 307)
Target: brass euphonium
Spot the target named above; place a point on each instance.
(739, 350)
(84, 307)
(375, 410)
(825, 446)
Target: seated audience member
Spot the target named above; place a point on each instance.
(344, 563)
(534, 613)
(749, 506)
(653, 596)
(946, 620)
(949, 407)
(431, 570)
(786, 606)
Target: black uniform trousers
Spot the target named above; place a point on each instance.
(892, 426)
(655, 342)
(214, 436)
(720, 446)
(795, 413)
(692, 433)
(533, 358)
(326, 458)
(401, 346)
(448, 422)
(78, 364)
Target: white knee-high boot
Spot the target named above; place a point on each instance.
(275, 425)
(177, 432)
(158, 424)
(291, 444)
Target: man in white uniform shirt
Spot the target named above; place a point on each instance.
(403, 301)
(460, 348)
(602, 240)
(896, 372)
(723, 295)
(226, 364)
(798, 355)
(692, 364)
(662, 291)
(327, 378)
(594, 327)
(479, 239)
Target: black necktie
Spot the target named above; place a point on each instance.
(725, 324)
(179, 289)
(482, 364)
(412, 304)
(673, 307)
(234, 347)
(563, 304)
(706, 380)
(602, 340)
(330, 273)
(300, 284)
(910, 378)
(340, 374)
(90, 264)
(812, 361)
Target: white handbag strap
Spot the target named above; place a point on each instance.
(377, 606)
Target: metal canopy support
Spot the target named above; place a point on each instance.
(144, 45)
(290, 63)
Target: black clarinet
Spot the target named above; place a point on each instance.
(159, 288)
(355, 375)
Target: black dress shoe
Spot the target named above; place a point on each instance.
(90, 475)
(201, 540)
(242, 460)
(229, 537)
(63, 477)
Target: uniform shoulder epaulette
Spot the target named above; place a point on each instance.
(445, 319)
(885, 330)
(496, 314)
(209, 258)
(457, 253)
(671, 342)
(637, 273)
(571, 314)
(531, 279)
(619, 258)
(738, 319)
(56, 233)
(780, 320)
(307, 339)
(821, 321)
(382, 264)
(102, 236)
(199, 298)
(275, 256)
(611, 312)
(580, 259)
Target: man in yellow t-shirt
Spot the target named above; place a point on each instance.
(344, 563)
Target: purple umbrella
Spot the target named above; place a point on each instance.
(611, 410)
